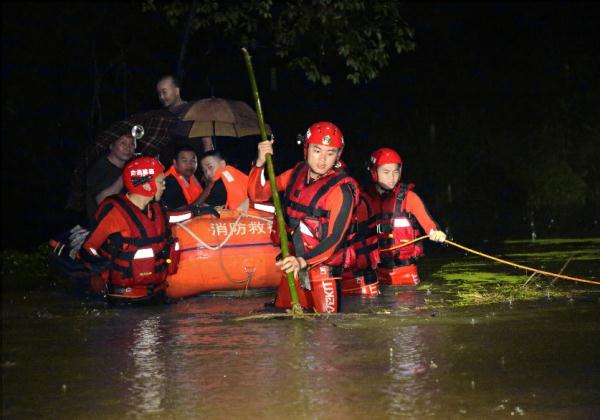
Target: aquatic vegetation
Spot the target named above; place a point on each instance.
(471, 281)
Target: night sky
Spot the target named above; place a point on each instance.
(493, 96)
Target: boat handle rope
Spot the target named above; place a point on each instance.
(229, 235)
(491, 257)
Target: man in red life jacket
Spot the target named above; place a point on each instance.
(130, 248)
(361, 277)
(182, 188)
(318, 202)
(224, 185)
(400, 215)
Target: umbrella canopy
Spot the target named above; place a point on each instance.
(222, 117)
(157, 127)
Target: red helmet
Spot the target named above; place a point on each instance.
(140, 171)
(325, 133)
(381, 157)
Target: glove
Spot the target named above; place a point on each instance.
(202, 210)
(437, 235)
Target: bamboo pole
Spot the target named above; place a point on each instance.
(296, 308)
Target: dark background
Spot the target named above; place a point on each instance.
(496, 113)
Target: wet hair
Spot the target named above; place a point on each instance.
(214, 153)
(175, 80)
(183, 148)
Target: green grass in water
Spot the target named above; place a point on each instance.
(474, 280)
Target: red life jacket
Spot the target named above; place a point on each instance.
(365, 239)
(191, 190)
(306, 217)
(396, 226)
(236, 185)
(146, 257)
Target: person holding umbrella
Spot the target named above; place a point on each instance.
(168, 90)
(318, 202)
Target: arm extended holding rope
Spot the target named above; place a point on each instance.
(296, 308)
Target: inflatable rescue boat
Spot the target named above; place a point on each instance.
(230, 253)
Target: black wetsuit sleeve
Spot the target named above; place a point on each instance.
(173, 197)
(218, 195)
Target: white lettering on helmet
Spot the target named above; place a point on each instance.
(132, 173)
(308, 134)
(151, 171)
(138, 172)
(329, 290)
(144, 172)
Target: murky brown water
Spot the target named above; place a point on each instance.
(62, 358)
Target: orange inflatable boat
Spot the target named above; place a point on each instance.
(233, 252)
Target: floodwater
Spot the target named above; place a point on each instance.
(385, 357)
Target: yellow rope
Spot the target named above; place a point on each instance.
(402, 245)
(545, 273)
(491, 257)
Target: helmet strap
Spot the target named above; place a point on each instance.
(383, 187)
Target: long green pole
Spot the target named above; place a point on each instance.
(296, 308)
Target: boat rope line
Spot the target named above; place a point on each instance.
(196, 248)
(491, 257)
(229, 235)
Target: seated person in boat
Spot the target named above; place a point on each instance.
(104, 177)
(399, 216)
(182, 188)
(318, 201)
(224, 185)
(130, 247)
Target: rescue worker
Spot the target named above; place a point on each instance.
(361, 278)
(182, 188)
(400, 216)
(224, 185)
(318, 201)
(130, 248)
